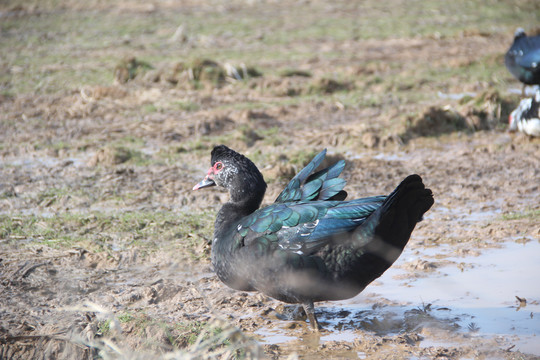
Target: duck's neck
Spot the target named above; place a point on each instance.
(226, 242)
(244, 201)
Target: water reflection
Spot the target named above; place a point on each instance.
(478, 299)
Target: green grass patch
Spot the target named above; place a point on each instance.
(302, 157)
(527, 214)
(144, 230)
(180, 335)
(125, 317)
(149, 108)
(35, 47)
(190, 332)
(51, 195)
(104, 328)
(186, 105)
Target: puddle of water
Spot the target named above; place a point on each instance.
(529, 90)
(455, 96)
(496, 276)
(392, 157)
(483, 294)
(478, 300)
(45, 161)
(30, 212)
(344, 335)
(399, 156)
(473, 216)
(274, 336)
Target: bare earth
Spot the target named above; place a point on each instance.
(104, 248)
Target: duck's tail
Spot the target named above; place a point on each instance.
(382, 237)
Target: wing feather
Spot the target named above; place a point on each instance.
(309, 186)
(305, 227)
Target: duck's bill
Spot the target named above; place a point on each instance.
(206, 182)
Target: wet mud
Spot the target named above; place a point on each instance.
(104, 248)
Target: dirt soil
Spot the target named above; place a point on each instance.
(104, 247)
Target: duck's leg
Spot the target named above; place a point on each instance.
(310, 312)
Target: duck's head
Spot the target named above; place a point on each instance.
(519, 33)
(516, 116)
(512, 125)
(233, 171)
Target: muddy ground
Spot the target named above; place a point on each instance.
(108, 113)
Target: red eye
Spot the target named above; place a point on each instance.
(218, 166)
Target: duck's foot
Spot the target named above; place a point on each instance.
(310, 312)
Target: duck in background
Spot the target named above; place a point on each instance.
(523, 58)
(526, 117)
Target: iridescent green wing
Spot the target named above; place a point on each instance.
(322, 185)
(304, 227)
